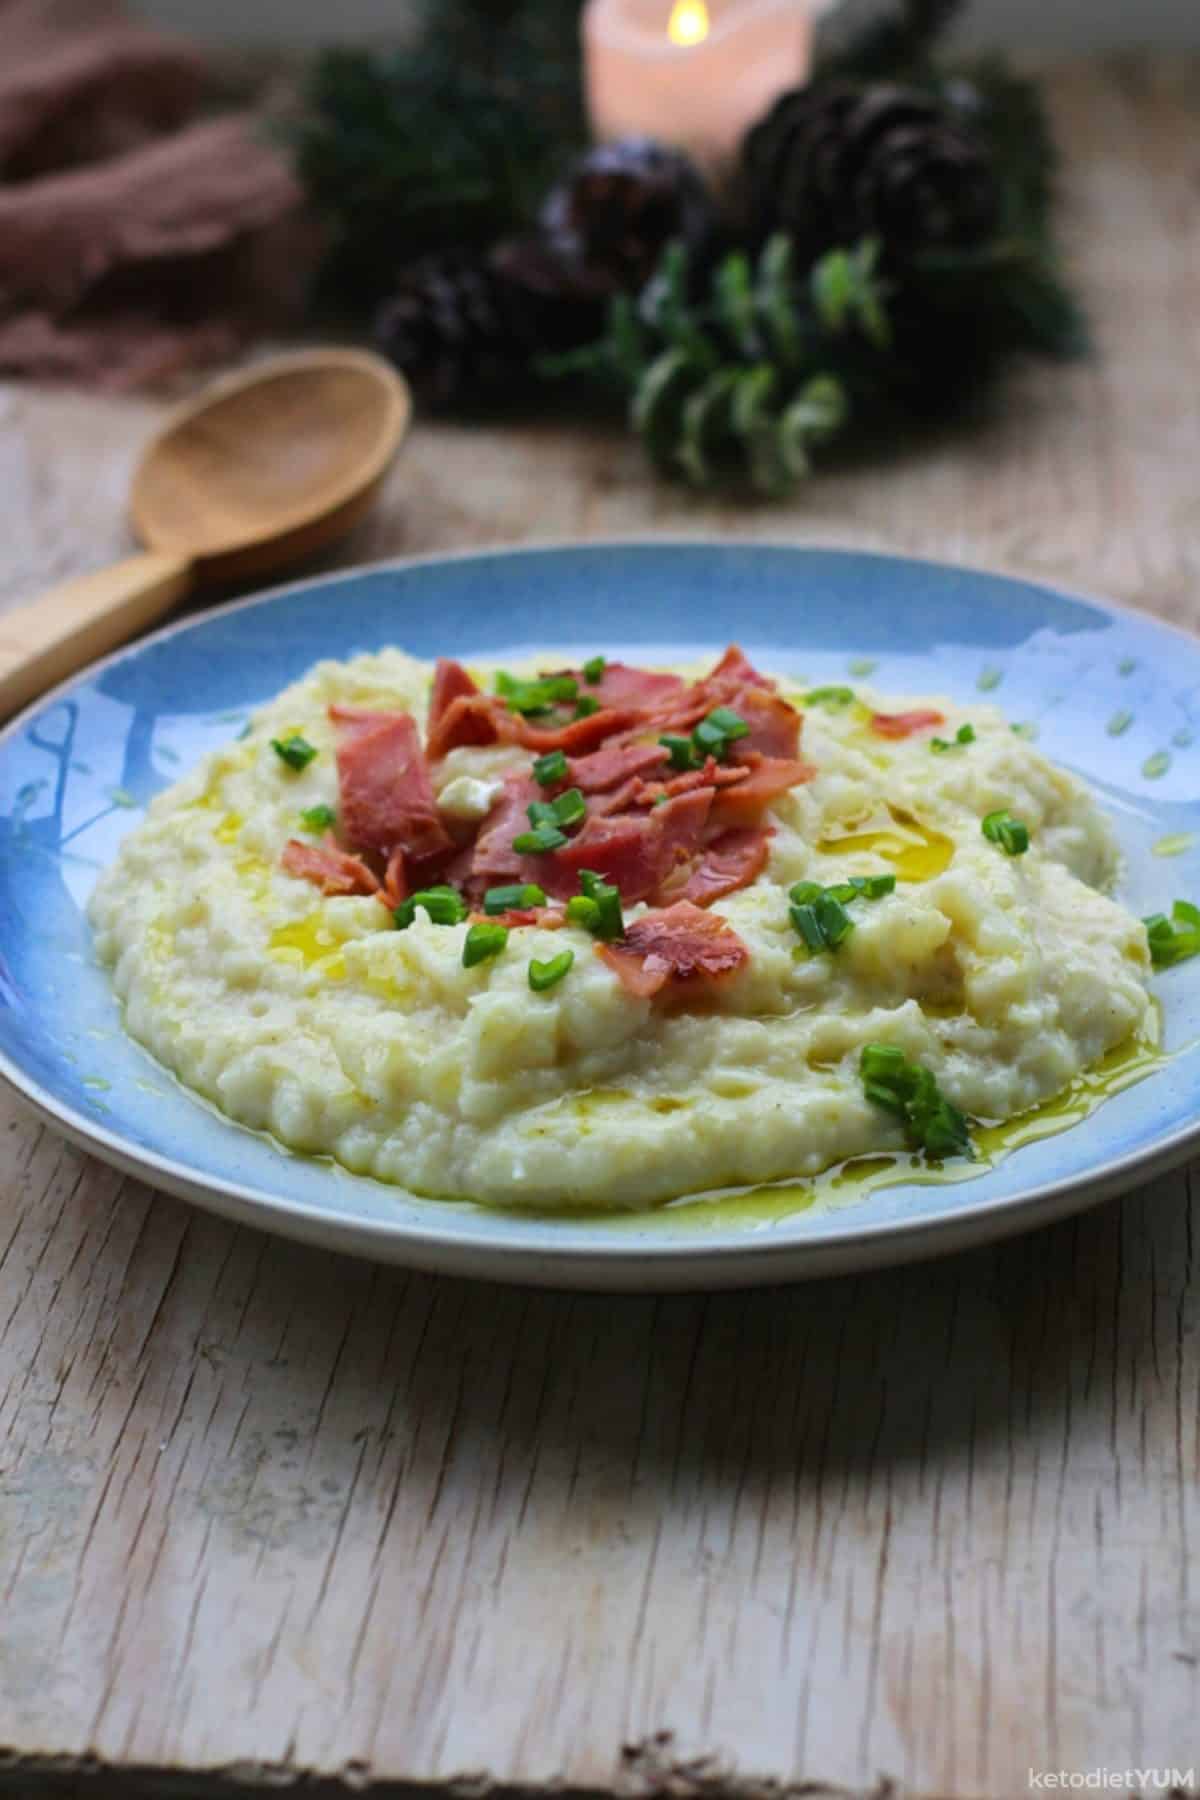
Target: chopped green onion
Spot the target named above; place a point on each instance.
(864, 887)
(483, 940)
(568, 809)
(932, 1122)
(295, 751)
(681, 752)
(819, 913)
(964, 735)
(540, 841)
(598, 908)
(585, 912)
(831, 697)
(593, 669)
(317, 818)
(586, 705)
(445, 906)
(713, 735)
(550, 768)
(513, 899)
(531, 697)
(543, 975)
(1173, 940)
(1001, 828)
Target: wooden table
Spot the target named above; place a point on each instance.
(268, 1517)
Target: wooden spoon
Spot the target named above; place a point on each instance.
(264, 469)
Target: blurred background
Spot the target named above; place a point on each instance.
(1037, 24)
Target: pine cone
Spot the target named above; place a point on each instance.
(464, 328)
(834, 163)
(450, 327)
(608, 222)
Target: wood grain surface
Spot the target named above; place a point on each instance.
(268, 1516)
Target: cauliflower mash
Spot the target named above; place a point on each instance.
(415, 1043)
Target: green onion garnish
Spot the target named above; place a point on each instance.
(586, 705)
(597, 908)
(568, 809)
(445, 906)
(593, 669)
(317, 818)
(964, 735)
(540, 841)
(681, 753)
(513, 899)
(550, 768)
(531, 697)
(543, 975)
(1001, 828)
(295, 751)
(864, 887)
(1173, 940)
(483, 940)
(933, 1123)
(713, 736)
(830, 697)
(819, 913)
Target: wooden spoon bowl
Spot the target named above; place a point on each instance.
(263, 470)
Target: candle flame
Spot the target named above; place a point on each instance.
(688, 23)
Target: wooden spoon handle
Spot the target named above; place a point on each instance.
(72, 624)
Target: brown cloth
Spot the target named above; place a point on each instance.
(135, 238)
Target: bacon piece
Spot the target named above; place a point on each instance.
(395, 881)
(767, 777)
(682, 947)
(450, 682)
(731, 861)
(621, 685)
(578, 734)
(902, 725)
(470, 719)
(548, 917)
(713, 774)
(331, 869)
(735, 666)
(387, 800)
(612, 766)
(637, 852)
(774, 725)
(495, 861)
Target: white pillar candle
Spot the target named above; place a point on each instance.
(693, 73)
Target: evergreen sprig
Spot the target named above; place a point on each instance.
(751, 377)
(450, 141)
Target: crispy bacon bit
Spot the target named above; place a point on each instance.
(548, 917)
(333, 870)
(735, 666)
(612, 766)
(902, 725)
(637, 852)
(576, 736)
(767, 777)
(470, 719)
(450, 682)
(395, 881)
(713, 774)
(731, 861)
(683, 946)
(621, 685)
(774, 725)
(495, 861)
(386, 797)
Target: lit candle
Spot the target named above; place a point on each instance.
(693, 73)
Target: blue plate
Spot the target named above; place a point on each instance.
(1111, 694)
